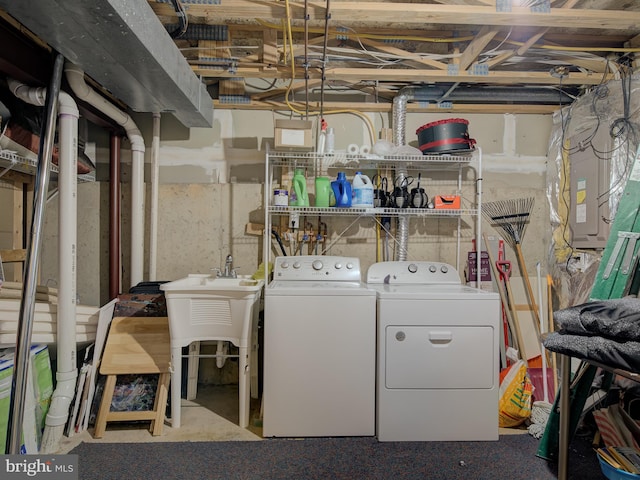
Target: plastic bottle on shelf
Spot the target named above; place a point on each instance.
(322, 138)
(341, 191)
(330, 141)
(362, 191)
(300, 195)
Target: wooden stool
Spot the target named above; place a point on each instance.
(135, 345)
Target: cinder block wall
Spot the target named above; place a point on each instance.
(211, 186)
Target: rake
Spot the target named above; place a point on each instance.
(512, 217)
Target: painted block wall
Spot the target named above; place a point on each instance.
(212, 186)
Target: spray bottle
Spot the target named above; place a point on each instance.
(322, 138)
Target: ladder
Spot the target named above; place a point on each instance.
(617, 275)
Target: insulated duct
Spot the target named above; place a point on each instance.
(75, 77)
(399, 128)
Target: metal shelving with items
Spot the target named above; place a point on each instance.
(279, 165)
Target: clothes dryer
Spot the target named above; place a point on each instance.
(319, 349)
(438, 354)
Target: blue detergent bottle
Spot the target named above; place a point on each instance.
(342, 191)
(299, 184)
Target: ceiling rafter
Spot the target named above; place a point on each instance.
(408, 14)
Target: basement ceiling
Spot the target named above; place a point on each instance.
(519, 56)
(482, 55)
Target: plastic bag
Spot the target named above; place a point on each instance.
(515, 396)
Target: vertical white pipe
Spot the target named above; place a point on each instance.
(67, 241)
(155, 174)
(67, 248)
(137, 214)
(75, 77)
(27, 304)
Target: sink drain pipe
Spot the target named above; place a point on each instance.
(66, 373)
(75, 77)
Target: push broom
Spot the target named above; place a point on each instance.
(512, 217)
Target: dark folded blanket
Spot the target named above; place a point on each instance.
(620, 354)
(617, 318)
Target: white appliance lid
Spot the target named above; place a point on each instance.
(431, 292)
(317, 288)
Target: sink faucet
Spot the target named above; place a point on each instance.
(229, 271)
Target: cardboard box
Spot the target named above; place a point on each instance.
(485, 267)
(451, 202)
(294, 134)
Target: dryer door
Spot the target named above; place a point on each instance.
(439, 357)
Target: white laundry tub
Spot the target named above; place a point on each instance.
(204, 307)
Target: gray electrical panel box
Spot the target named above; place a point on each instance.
(590, 167)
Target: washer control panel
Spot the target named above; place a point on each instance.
(317, 267)
(418, 272)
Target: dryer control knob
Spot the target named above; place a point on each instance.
(444, 269)
(317, 265)
(296, 265)
(337, 266)
(284, 264)
(432, 268)
(413, 268)
(349, 266)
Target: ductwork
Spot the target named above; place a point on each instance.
(122, 45)
(66, 372)
(75, 77)
(399, 115)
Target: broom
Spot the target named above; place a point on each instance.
(512, 217)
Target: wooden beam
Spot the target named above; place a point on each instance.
(348, 13)
(404, 54)
(296, 87)
(387, 107)
(270, 47)
(407, 75)
(10, 256)
(481, 40)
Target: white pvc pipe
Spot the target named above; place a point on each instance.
(66, 373)
(75, 77)
(155, 174)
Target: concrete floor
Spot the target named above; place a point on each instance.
(212, 416)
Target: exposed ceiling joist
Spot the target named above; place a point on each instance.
(409, 14)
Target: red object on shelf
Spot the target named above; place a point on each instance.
(450, 202)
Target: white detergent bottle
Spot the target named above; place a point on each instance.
(362, 190)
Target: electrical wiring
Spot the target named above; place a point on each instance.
(320, 112)
(374, 36)
(468, 38)
(182, 18)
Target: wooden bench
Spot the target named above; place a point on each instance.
(135, 345)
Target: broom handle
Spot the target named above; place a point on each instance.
(530, 297)
(512, 315)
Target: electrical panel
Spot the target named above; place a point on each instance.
(590, 167)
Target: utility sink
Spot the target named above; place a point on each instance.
(204, 307)
(203, 282)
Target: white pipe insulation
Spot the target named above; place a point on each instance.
(75, 77)
(66, 373)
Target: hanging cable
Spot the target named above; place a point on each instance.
(182, 18)
(306, 58)
(327, 16)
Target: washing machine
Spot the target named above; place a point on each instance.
(438, 354)
(319, 349)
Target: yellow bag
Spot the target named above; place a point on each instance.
(515, 396)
